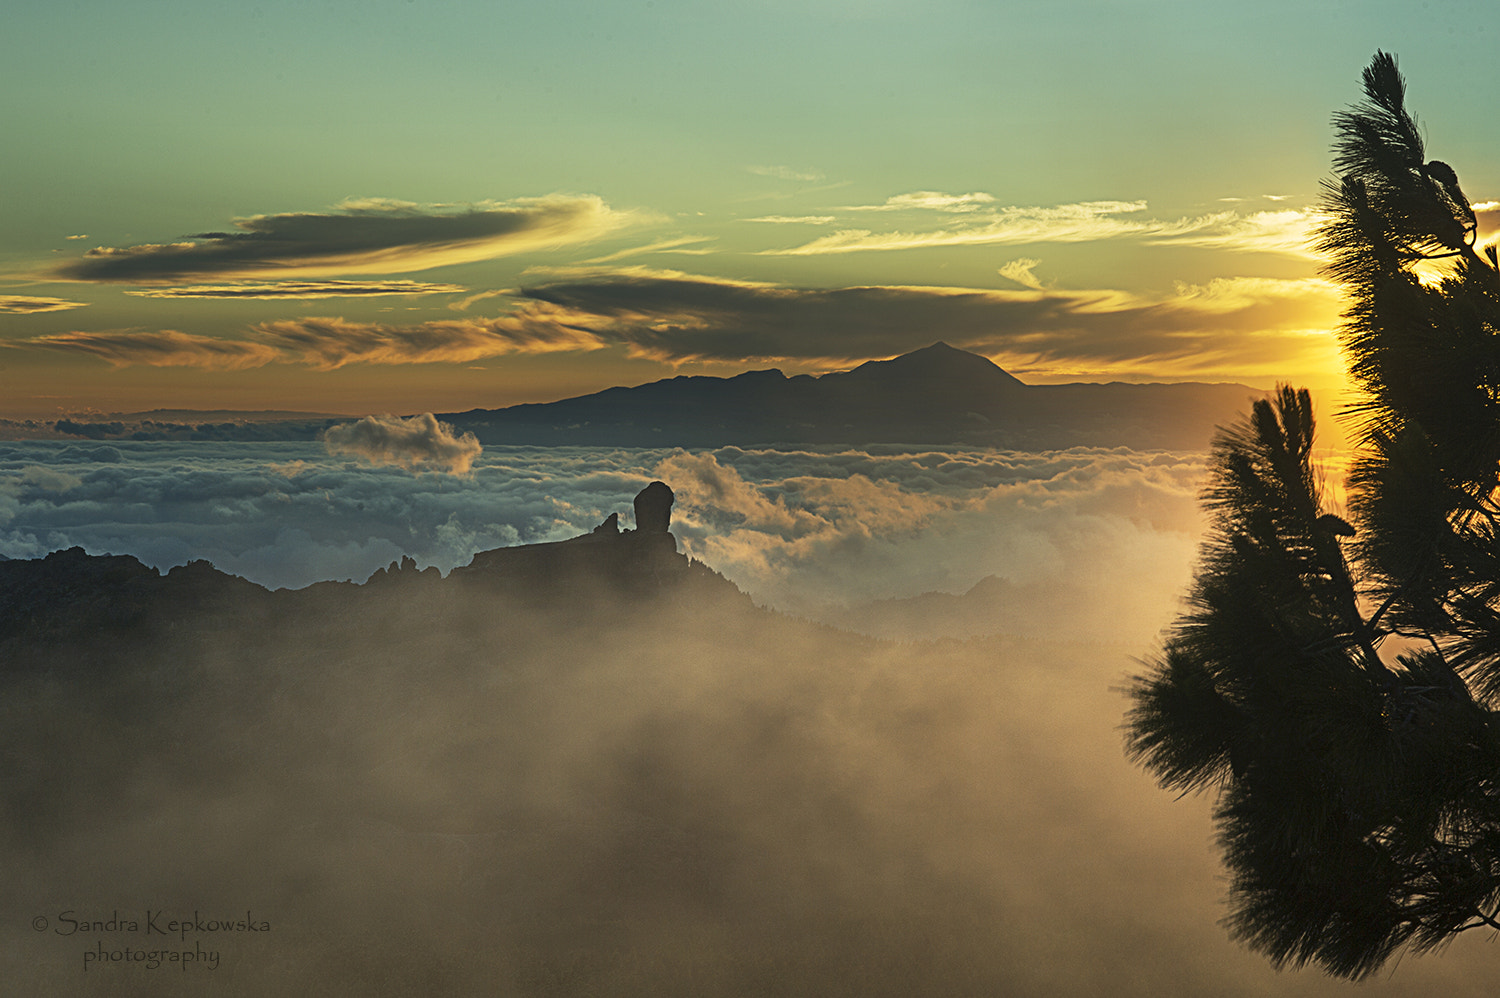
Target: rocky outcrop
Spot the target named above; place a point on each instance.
(405, 570)
(653, 509)
(632, 563)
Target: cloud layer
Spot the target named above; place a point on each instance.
(371, 236)
(804, 530)
(1243, 322)
(1248, 324)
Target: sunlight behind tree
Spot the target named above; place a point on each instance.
(1333, 683)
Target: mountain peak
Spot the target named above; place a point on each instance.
(938, 365)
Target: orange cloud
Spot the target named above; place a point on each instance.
(28, 305)
(302, 289)
(330, 343)
(164, 348)
(1244, 326)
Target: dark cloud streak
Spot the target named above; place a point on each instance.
(31, 305)
(303, 289)
(370, 237)
(674, 317)
(684, 318)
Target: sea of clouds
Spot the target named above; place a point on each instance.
(999, 784)
(800, 530)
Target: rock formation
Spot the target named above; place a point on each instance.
(635, 562)
(653, 509)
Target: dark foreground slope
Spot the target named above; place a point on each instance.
(557, 774)
(587, 769)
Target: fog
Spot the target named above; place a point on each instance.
(428, 787)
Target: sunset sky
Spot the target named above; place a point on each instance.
(407, 206)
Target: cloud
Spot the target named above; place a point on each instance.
(930, 201)
(785, 173)
(672, 245)
(1285, 232)
(418, 443)
(1020, 271)
(164, 348)
(302, 289)
(675, 806)
(28, 305)
(287, 514)
(798, 529)
(1288, 232)
(371, 236)
(795, 219)
(806, 531)
(1229, 323)
(50, 479)
(1243, 325)
(330, 343)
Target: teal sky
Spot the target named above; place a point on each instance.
(545, 199)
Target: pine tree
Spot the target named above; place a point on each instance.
(1334, 682)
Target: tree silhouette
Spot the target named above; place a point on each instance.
(1335, 683)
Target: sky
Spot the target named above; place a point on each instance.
(411, 207)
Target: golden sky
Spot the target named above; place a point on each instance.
(393, 207)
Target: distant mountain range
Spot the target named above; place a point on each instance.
(935, 395)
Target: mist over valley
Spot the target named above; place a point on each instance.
(582, 781)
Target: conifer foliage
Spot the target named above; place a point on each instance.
(1335, 683)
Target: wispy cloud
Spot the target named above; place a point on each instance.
(930, 201)
(675, 244)
(330, 343)
(795, 219)
(1088, 221)
(302, 290)
(28, 305)
(369, 236)
(785, 173)
(1081, 222)
(1288, 232)
(162, 348)
(1021, 271)
(418, 443)
(327, 343)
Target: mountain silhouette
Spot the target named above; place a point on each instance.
(73, 607)
(935, 395)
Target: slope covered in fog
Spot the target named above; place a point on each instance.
(576, 773)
